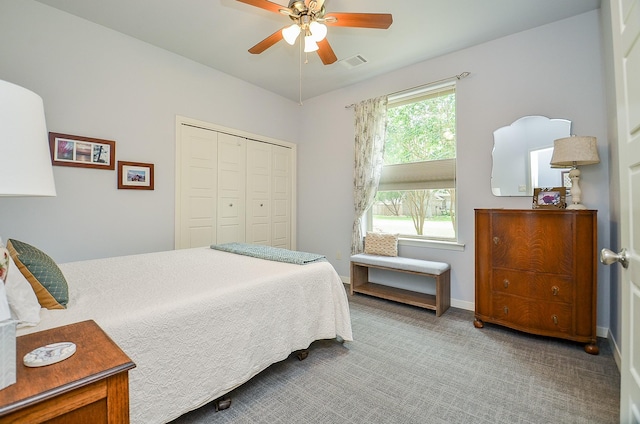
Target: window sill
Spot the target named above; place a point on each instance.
(432, 244)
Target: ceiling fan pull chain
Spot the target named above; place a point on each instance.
(300, 79)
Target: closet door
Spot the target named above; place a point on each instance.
(230, 188)
(281, 197)
(258, 215)
(232, 172)
(196, 199)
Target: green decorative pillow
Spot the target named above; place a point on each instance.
(43, 274)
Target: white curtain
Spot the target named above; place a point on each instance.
(370, 126)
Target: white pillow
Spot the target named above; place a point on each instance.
(23, 302)
(383, 244)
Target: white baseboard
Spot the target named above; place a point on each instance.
(616, 350)
(602, 332)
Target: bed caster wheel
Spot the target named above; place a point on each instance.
(302, 354)
(221, 403)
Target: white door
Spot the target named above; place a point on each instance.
(232, 151)
(625, 16)
(281, 197)
(258, 193)
(196, 188)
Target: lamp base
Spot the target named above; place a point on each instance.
(576, 206)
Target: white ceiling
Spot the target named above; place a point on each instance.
(217, 33)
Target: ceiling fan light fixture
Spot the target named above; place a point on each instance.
(290, 33)
(318, 31)
(310, 44)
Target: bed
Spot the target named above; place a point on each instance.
(200, 322)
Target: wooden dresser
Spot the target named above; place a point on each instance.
(92, 386)
(536, 272)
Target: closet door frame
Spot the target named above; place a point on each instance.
(182, 120)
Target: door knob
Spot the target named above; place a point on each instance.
(608, 257)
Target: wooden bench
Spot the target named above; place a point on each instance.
(440, 271)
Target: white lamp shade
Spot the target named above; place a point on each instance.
(318, 31)
(574, 151)
(25, 161)
(290, 33)
(309, 44)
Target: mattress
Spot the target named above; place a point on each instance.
(200, 322)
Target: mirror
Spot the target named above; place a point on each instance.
(521, 155)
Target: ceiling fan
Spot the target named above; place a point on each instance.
(310, 19)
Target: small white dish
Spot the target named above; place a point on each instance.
(49, 354)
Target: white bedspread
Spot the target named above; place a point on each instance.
(200, 322)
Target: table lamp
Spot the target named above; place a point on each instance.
(25, 170)
(25, 160)
(569, 152)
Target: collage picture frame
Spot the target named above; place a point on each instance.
(83, 152)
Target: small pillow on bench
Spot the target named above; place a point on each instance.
(383, 244)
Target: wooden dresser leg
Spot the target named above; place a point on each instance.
(592, 348)
(478, 323)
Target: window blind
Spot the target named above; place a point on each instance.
(433, 174)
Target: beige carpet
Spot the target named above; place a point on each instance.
(407, 366)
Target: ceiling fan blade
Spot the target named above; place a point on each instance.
(360, 20)
(326, 52)
(266, 5)
(266, 43)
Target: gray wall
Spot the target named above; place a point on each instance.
(98, 83)
(554, 70)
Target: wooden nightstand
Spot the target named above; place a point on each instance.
(92, 386)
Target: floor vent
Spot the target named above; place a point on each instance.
(353, 61)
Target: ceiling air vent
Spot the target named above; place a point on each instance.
(353, 61)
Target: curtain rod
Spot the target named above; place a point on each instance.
(457, 77)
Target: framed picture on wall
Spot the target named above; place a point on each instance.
(550, 198)
(135, 175)
(83, 152)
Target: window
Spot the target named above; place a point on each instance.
(417, 192)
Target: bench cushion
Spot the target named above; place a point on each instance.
(407, 264)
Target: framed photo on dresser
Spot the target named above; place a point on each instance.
(550, 198)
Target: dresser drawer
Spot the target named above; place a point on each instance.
(512, 309)
(550, 288)
(512, 282)
(536, 315)
(554, 317)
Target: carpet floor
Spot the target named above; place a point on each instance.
(407, 366)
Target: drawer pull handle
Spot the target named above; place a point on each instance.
(496, 240)
(506, 283)
(555, 290)
(555, 319)
(230, 205)
(506, 310)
